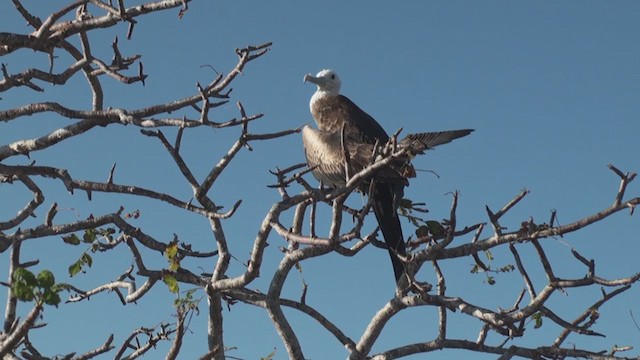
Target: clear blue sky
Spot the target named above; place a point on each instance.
(552, 89)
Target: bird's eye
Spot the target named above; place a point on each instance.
(333, 76)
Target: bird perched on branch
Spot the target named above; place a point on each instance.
(345, 129)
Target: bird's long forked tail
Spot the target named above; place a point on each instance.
(389, 222)
(385, 195)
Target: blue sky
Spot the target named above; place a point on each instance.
(552, 89)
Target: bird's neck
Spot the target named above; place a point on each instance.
(318, 103)
(325, 109)
(320, 95)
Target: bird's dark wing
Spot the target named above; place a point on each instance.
(419, 142)
(363, 123)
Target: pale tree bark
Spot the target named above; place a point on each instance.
(438, 241)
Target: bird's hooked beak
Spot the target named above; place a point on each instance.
(314, 80)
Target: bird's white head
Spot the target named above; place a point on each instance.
(327, 81)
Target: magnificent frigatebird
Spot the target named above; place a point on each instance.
(338, 119)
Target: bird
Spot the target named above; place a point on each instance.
(343, 127)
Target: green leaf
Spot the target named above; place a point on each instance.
(25, 276)
(46, 279)
(174, 265)
(488, 254)
(538, 320)
(171, 253)
(475, 269)
(86, 258)
(23, 284)
(186, 301)
(51, 298)
(171, 250)
(422, 231)
(106, 231)
(75, 268)
(186, 298)
(435, 228)
(22, 292)
(189, 293)
(507, 268)
(72, 239)
(491, 280)
(89, 236)
(171, 282)
(61, 287)
(27, 287)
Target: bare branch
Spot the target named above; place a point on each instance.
(176, 344)
(625, 179)
(20, 331)
(523, 272)
(29, 209)
(106, 347)
(12, 301)
(442, 311)
(589, 313)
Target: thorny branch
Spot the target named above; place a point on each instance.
(53, 35)
(508, 323)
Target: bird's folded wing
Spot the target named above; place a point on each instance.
(325, 153)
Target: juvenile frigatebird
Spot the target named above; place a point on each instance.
(325, 152)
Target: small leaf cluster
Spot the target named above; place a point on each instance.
(171, 253)
(436, 229)
(491, 280)
(26, 286)
(76, 267)
(408, 209)
(90, 236)
(171, 282)
(537, 318)
(187, 302)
